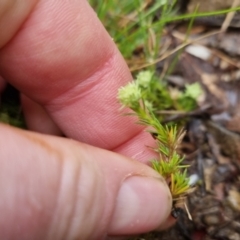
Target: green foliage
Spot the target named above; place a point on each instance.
(157, 96)
(138, 24)
(11, 115)
(132, 24)
(187, 100)
(136, 96)
(179, 184)
(154, 90)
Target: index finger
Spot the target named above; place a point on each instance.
(63, 58)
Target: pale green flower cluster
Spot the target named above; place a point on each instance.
(193, 90)
(144, 78)
(130, 95)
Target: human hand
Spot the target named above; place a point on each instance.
(60, 58)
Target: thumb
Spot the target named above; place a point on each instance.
(55, 188)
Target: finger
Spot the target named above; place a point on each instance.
(13, 14)
(2, 84)
(37, 119)
(63, 58)
(61, 189)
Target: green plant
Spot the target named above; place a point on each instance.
(136, 96)
(156, 93)
(132, 24)
(137, 27)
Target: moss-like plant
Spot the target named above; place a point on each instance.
(137, 96)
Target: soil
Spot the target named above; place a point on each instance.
(212, 142)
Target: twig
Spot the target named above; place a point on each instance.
(229, 16)
(169, 53)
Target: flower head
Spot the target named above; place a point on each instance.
(144, 78)
(130, 95)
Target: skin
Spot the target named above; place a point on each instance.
(89, 184)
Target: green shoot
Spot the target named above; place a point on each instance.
(135, 96)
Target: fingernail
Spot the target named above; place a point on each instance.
(142, 205)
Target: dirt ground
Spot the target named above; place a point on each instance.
(212, 143)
